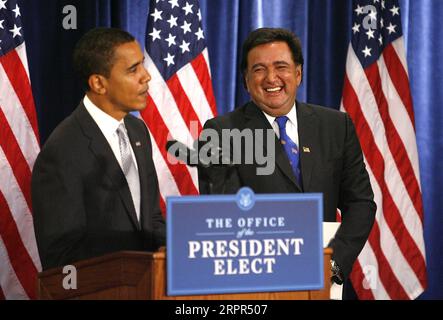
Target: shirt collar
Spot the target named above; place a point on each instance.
(107, 124)
(292, 115)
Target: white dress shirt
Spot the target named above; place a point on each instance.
(108, 126)
(291, 125)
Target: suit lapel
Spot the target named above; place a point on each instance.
(307, 134)
(255, 119)
(99, 146)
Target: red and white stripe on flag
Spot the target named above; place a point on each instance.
(181, 96)
(19, 146)
(377, 96)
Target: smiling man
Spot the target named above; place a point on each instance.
(316, 148)
(94, 186)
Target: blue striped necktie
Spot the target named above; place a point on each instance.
(290, 147)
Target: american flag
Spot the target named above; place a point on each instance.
(181, 97)
(19, 146)
(376, 95)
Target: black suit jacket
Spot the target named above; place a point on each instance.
(81, 201)
(331, 163)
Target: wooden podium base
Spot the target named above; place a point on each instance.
(142, 276)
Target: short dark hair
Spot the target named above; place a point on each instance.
(94, 52)
(267, 35)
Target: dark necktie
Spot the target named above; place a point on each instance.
(290, 147)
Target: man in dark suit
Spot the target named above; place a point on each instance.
(316, 148)
(94, 185)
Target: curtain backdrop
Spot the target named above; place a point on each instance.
(324, 29)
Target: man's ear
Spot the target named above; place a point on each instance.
(245, 82)
(298, 74)
(97, 84)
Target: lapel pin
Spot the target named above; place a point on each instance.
(306, 149)
(138, 143)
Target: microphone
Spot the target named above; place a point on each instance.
(181, 152)
(212, 181)
(192, 158)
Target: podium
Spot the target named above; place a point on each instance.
(142, 276)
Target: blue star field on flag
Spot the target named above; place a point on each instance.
(376, 24)
(11, 34)
(174, 34)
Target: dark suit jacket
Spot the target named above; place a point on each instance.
(81, 201)
(331, 163)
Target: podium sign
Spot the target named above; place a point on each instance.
(244, 243)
